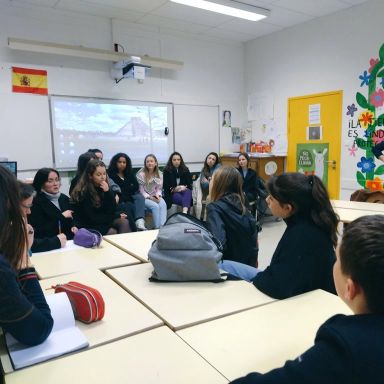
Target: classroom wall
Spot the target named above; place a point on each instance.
(322, 55)
(212, 73)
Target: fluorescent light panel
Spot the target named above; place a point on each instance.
(230, 8)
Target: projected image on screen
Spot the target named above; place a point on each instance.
(133, 128)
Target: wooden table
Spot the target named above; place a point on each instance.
(157, 356)
(124, 315)
(68, 260)
(136, 244)
(184, 304)
(265, 337)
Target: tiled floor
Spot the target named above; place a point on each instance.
(268, 239)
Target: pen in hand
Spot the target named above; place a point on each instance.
(59, 225)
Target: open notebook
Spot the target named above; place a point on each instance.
(65, 336)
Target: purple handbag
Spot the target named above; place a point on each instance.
(88, 238)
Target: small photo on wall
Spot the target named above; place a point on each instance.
(314, 133)
(227, 119)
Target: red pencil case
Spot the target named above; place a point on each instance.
(87, 303)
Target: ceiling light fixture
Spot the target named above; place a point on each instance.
(228, 7)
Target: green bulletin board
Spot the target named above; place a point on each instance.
(312, 159)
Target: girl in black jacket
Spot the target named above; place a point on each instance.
(95, 204)
(51, 216)
(229, 220)
(250, 178)
(177, 182)
(305, 255)
(131, 200)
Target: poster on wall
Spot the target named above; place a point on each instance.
(314, 114)
(312, 159)
(227, 119)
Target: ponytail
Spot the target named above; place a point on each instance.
(307, 195)
(322, 212)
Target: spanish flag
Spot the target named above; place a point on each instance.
(26, 80)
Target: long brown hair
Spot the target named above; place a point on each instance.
(156, 169)
(13, 233)
(85, 186)
(227, 180)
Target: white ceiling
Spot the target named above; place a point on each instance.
(165, 14)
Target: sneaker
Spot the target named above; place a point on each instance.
(140, 225)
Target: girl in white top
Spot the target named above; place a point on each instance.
(150, 181)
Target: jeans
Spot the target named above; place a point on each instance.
(243, 271)
(159, 211)
(139, 203)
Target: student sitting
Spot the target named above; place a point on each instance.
(211, 164)
(229, 220)
(95, 204)
(347, 349)
(150, 180)
(51, 216)
(82, 162)
(27, 194)
(305, 254)
(98, 153)
(120, 171)
(177, 182)
(249, 176)
(24, 312)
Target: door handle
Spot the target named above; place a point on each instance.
(332, 162)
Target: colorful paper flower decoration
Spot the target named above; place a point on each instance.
(366, 119)
(377, 98)
(378, 137)
(372, 64)
(375, 185)
(351, 109)
(364, 78)
(366, 165)
(352, 151)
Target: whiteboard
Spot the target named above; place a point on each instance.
(25, 130)
(196, 130)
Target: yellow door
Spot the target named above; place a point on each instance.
(314, 134)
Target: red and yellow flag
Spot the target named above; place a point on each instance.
(26, 80)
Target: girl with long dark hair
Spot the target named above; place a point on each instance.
(305, 254)
(95, 204)
(177, 182)
(120, 171)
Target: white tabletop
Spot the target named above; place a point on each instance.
(136, 244)
(124, 315)
(263, 338)
(347, 215)
(359, 205)
(183, 304)
(157, 356)
(74, 259)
